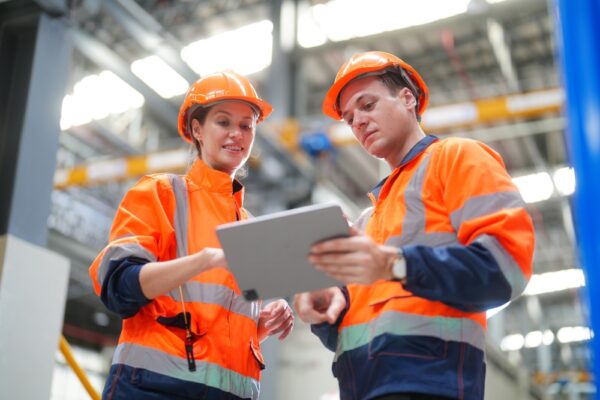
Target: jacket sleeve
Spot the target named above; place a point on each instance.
(492, 262)
(140, 234)
(328, 333)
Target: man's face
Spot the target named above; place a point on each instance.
(379, 119)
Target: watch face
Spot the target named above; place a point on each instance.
(399, 269)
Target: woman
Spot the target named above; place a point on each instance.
(187, 333)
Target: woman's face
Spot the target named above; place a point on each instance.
(227, 135)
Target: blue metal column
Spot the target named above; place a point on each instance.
(578, 39)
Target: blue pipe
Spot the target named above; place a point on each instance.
(578, 41)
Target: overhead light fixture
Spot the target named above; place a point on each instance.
(569, 334)
(95, 97)
(535, 187)
(564, 180)
(157, 74)
(245, 50)
(547, 283)
(555, 281)
(548, 337)
(512, 342)
(534, 339)
(339, 20)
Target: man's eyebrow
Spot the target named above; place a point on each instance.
(357, 101)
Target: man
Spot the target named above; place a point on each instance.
(447, 238)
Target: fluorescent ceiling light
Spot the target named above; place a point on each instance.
(157, 74)
(345, 19)
(569, 334)
(548, 337)
(95, 97)
(566, 334)
(535, 187)
(245, 50)
(533, 339)
(310, 33)
(512, 342)
(555, 281)
(564, 180)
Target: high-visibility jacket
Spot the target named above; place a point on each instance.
(468, 242)
(163, 217)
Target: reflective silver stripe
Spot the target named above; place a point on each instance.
(118, 252)
(180, 220)
(509, 267)
(363, 219)
(206, 373)
(426, 239)
(413, 227)
(414, 220)
(479, 206)
(209, 293)
(403, 324)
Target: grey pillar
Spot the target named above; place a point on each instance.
(280, 83)
(35, 51)
(35, 54)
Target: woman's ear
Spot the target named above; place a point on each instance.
(197, 130)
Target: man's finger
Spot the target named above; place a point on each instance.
(338, 245)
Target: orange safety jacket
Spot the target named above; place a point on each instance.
(163, 217)
(468, 242)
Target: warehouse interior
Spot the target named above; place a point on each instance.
(493, 73)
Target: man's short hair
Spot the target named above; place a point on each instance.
(396, 79)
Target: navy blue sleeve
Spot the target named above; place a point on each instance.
(464, 277)
(121, 290)
(328, 333)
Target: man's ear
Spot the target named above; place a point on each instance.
(407, 97)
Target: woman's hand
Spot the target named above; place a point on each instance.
(214, 257)
(274, 318)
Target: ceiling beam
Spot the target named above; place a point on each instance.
(149, 33)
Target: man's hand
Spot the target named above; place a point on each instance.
(321, 306)
(355, 259)
(274, 318)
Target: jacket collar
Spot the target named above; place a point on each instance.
(412, 153)
(212, 180)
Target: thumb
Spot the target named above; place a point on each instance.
(334, 310)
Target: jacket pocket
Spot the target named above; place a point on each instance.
(255, 350)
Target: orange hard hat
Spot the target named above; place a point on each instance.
(213, 88)
(373, 62)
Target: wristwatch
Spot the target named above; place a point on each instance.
(399, 267)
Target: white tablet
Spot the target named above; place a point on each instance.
(268, 255)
